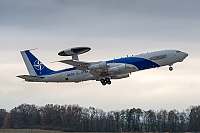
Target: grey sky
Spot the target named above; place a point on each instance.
(112, 28)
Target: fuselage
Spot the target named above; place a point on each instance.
(136, 63)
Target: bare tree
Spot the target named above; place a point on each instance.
(3, 115)
(75, 118)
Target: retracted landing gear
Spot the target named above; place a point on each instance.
(105, 81)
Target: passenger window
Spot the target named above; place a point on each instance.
(158, 57)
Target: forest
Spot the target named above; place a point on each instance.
(80, 119)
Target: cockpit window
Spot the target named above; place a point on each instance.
(178, 51)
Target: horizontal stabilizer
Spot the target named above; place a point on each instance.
(29, 77)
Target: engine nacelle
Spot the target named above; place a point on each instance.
(121, 67)
(117, 68)
(101, 65)
(120, 76)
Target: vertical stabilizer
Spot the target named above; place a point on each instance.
(35, 67)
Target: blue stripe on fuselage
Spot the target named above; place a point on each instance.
(140, 63)
(65, 70)
(60, 71)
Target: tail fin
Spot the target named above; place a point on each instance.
(34, 66)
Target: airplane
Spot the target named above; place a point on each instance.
(102, 71)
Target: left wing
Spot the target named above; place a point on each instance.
(81, 65)
(75, 62)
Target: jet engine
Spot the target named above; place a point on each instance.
(117, 68)
(120, 68)
(101, 65)
(120, 76)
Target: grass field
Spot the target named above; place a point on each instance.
(27, 131)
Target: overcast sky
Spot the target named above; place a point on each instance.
(112, 28)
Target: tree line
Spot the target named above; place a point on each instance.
(76, 118)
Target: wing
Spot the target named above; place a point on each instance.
(103, 69)
(81, 65)
(75, 62)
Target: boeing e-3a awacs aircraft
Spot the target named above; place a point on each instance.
(102, 71)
